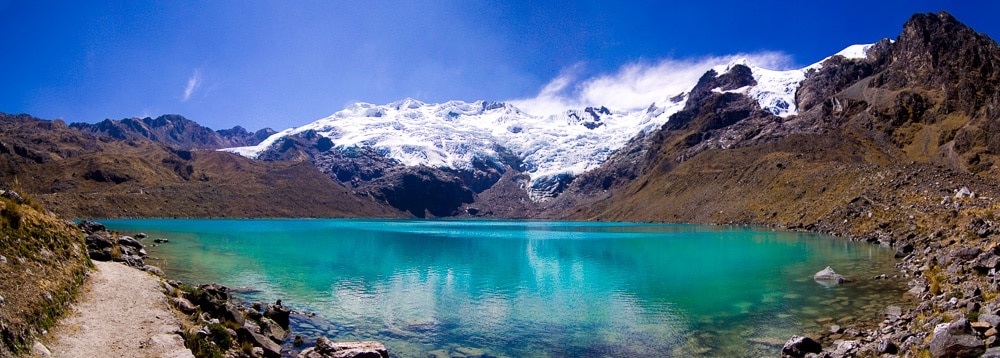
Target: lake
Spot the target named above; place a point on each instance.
(533, 288)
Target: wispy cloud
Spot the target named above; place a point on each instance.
(633, 86)
(193, 83)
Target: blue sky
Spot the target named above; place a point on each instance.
(286, 63)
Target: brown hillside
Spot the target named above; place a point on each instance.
(79, 175)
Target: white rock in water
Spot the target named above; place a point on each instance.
(829, 275)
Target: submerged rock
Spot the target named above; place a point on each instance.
(327, 349)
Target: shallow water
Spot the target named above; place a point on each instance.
(530, 288)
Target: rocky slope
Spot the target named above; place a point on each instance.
(887, 149)
(78, 175)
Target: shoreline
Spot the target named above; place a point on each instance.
(861, 324)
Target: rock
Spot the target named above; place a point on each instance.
(990, 332)
(271, 349)
(828, 275)
(992, 353)
(279, 314)
(3, 259)
(981, 326)
(956, 339)
(903, 250)
(273, 330)
(39, 350)
(886, 346)
(845, 348)
(964, 192)
(183, 305)
(98, 242)
(835, 329)
(231, 313)
(326, 349)
(893, 312)
(798, 347)
(91, 227)
(298, 341)
(966, 253)
(130, 242)
(1, 300)
(12, 195)
(165, 340)
(993, 319)
(160, 240)
(153, 270)
(141, 236)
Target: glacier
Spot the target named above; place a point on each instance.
(457, 134)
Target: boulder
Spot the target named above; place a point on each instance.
(992, 353)
(91, 227)
(828, 275)
(39, 350)
(130, 242)
(183, 305)
(98, 242)
(327, 349)
(278, 313)
(271, 349)
(993, 319)
(956, 339)
(893, 312)
(272, 330)
(141, 236)
(886, 346)
(153, 270)
(99, 255)
(798, 347)
(230, 312)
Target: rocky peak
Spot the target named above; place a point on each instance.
(936, 48)
(738, 76)
(174, 130)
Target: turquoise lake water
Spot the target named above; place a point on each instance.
(530, 288)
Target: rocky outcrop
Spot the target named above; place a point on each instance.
(103, 245)
(325, 348)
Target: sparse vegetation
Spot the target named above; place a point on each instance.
(45, 266)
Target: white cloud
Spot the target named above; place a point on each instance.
(634, 86)
(193, 83)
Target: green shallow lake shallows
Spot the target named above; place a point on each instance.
(531, 288)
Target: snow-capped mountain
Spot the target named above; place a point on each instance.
(456, 134)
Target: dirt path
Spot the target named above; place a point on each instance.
(122, 312)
